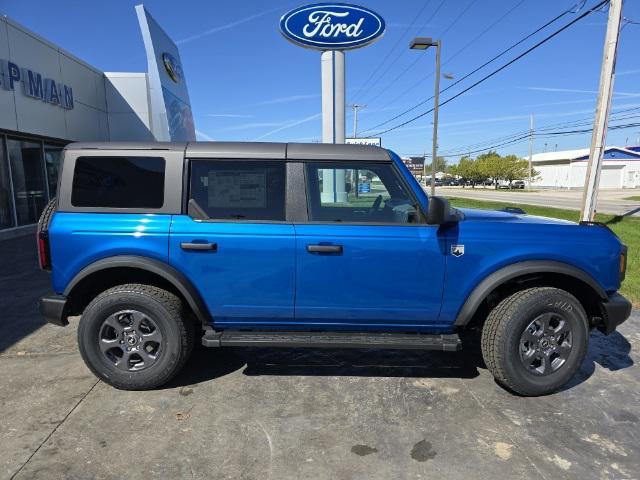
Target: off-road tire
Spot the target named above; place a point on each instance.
(46, 215)
(168, 313)
(501, 339)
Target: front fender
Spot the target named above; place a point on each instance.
(504, 274)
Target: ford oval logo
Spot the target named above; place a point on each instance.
(172, 67)
(332, 26)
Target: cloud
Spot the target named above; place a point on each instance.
(628, 72)
(226, 115)
(244, 126)
(484, 120)
(575, 90)
(227, 26)
(565, 102)
(203, 136)
(294, 123)
(290, 98)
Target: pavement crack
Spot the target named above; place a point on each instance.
(509, 437)
(54, 430)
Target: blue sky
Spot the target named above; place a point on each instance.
(247, 83)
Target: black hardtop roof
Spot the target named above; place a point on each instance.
(251, 150)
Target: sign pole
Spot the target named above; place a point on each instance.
(333, 121)
(332, 65)
(601, 121)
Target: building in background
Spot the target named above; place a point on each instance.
(568, 168)
(49, 98)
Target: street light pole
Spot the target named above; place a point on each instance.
(436, 96)
(422, 43)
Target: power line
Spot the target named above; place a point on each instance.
(498, 70)
(412, 64)
(525, 137)
(567, 124)
(395, 46)
(492, 143)
(502, 53)
(464, 48)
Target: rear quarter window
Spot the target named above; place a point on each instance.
(118, 182)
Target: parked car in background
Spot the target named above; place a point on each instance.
(518, 184)
(256, 244)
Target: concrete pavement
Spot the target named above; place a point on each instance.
(609, 201)
(289, 414)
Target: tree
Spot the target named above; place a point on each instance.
(468, 170)
(441, 165)
(491, 165)
(517, 169)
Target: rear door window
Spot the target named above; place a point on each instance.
(118, 182)
(248, 190)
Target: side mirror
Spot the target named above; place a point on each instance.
(439, 211)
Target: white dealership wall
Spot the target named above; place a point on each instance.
(567, 169)
(128, 108)
(23, 114)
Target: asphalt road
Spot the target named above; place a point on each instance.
(609, 201)
(290, 414)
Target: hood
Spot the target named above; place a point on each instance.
(479, 215)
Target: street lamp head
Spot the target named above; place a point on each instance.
(422, 43)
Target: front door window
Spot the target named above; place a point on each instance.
(358, 193)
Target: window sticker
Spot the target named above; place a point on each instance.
(237, 188)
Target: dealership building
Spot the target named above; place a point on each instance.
(49, 98)
(568, 168)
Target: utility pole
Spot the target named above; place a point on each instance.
(355, 107)
(601, 121)
(530, 148)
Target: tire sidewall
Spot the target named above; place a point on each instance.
(89, 332)
(570, 309)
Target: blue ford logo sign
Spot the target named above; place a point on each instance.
(332, 26)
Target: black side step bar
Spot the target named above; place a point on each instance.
(413, 341)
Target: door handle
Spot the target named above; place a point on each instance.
(208, 247)
(324, 248)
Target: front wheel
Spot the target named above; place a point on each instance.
(135, 337)
(534, 341)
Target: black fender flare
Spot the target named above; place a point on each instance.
(157, 267)
(509, 272)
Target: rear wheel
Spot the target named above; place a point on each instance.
(534, 341)
(135, 337)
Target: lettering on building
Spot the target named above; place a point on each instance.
(34, 85)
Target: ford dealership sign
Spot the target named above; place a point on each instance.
(332, 26)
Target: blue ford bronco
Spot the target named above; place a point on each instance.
(310, 245)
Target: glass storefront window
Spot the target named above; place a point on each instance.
(52, 155)
(6, 208)
(27, 173)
